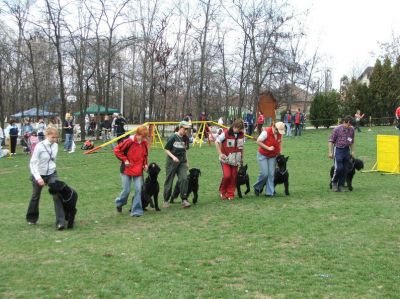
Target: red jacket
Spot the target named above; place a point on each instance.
(398, 112)
(271, 141)
(134, 152)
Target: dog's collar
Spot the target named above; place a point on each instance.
(72, 193)
(282, 173)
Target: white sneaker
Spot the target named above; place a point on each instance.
(185, 204)
(166, 204)
(70, 152)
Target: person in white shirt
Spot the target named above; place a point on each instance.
(40, 128)
(43, 170)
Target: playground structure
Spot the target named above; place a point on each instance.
(387, 154)
(155, 136)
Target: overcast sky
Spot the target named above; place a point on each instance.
(347, 32)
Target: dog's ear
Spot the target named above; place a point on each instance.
(245, 167)
(287, 158)
(199, 172)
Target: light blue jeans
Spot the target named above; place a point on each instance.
(137, 209)
(288, 129)
(267, 174)
(68, 142)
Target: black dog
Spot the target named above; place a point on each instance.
(281, 172)
(69, 197)
(242, 178)
(193, 185)
(151, 187)
(355, 164)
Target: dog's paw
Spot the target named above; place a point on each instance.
(158, 210)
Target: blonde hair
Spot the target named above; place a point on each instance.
(51, 130)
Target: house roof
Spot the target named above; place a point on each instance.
(367, 72)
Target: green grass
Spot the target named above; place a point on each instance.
(312, 244)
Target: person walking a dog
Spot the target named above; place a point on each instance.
(43, 171)
(229, 146)
(132, 152)
(341, 148)
(270, 146)
(177, 163)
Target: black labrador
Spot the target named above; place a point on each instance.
(151, 187)
(242, 179)
(282, 173)
(69, 198)
(193, 185)
(353, 165)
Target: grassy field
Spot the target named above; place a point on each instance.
(312, 244)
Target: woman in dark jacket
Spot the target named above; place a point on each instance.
(133, 154)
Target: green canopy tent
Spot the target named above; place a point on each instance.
(98, 109)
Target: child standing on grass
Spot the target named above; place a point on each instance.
(133, 153)
(229, 146)
(43, 170)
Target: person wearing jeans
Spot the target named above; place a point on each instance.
(177, 164)
(69, 133)
(270, 146)
(132, 153)
(341, 148)
(43, 171)
(288, 123)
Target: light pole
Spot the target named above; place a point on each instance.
(122, 94)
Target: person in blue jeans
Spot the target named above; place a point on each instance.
(341, 148)
(132, 152)
(69, 132)
(270, 146)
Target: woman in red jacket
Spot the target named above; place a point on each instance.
(230, 149)
(270, 146)
(133, 154)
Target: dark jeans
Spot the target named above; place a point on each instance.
(297, 129)
(180, 169)
(259, 128)
(342, 160)
(13, 143)
(250, 129)
(32, 215)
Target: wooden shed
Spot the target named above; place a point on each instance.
(267, 104)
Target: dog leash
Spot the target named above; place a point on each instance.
(70, 197)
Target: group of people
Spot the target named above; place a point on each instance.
(133, 153)
(296, 119)
(29, 132)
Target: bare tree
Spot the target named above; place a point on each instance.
(55, 11)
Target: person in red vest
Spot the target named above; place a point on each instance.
(298, 122)
(398, 117)
(260, 122)
(229, 146)
(270, 146)
(288, 119)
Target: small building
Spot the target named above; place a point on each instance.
(267, 104)
(366, 74)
